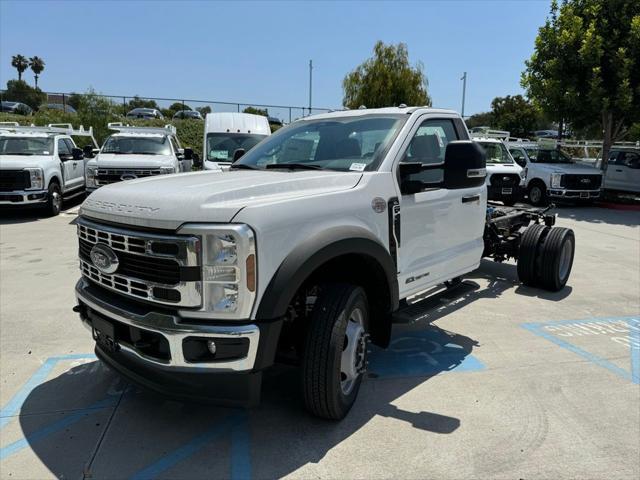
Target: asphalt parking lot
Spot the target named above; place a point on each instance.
(495, 380)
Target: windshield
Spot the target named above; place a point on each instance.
(26, 146)
(347, 143)
(496, 152)
(538, 155)
(221, 146)
(137, 145)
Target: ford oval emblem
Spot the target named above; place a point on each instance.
(128, 176)
(104, 259)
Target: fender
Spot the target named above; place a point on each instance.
(315, 252)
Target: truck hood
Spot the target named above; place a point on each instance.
(16, 162)
(569, 168)
(168, 201)
(109, 160)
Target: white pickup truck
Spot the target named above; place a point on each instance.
(552, 174)
(41, 166)
(193, 284)
(136, 152)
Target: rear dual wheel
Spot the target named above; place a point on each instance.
(546, 256)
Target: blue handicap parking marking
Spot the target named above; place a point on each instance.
(621, 331)
(422, 353)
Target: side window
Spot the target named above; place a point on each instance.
(70, 144)
(518, 156)
(174, 144)
(428, 147)
(613, 156)
(631, 160)
(63, 148)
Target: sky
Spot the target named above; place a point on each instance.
(259, 52)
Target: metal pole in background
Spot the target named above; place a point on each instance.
(464, 90)
(310, 83)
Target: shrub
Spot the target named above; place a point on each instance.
(20, 91)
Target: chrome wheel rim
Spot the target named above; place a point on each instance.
(56, 200)
(535, 194)
(565, 260)
(352, 362)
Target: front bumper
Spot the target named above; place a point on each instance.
(574, 194)
(24, 197)
(167, 368)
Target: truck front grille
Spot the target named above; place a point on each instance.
(12, 180)
(508, 180)
(105, 176)
(581, 182)
(156, 268)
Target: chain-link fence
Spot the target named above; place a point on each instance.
(282, 113)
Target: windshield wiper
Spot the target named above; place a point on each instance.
(243, 166)
(294, 166)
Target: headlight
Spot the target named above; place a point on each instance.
(90, 175)
(165, 170)
(229, 275)
(37, 178)
(556, 180)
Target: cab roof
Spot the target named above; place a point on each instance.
(233, 122)
(377, 111)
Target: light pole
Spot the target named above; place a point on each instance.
(310, 83)
(464, 90)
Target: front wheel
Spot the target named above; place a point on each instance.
(335, 350)
(537, 195)
(54, 200)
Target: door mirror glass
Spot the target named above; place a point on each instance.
(239, 152)
(464, 165)
(77, 154)
(197, 162)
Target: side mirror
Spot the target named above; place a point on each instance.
(187, 154)
(238, 153)
(65, 157)
(464, 165)
(196, 161)
(77, 154)
(88, 151)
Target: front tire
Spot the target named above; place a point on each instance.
(54, 200)
(537, 194)
(335, 350)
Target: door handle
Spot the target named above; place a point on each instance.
(471, 198)
(618, 170)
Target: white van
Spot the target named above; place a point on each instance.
(227, 134)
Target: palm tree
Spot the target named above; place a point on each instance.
(37, 65)
(20, 63)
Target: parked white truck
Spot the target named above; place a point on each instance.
(192, 285)
(228, 135)
(552, 174)
(136, 152)
(41, 166)
(505, 178)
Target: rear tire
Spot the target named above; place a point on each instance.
(337, 331)
(54, 200)
(528, 254)
(556, 258)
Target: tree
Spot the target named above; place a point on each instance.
(20, 63)
(20, 91)
(586, 66)
(178, 107)
(386, 79)
(514, 114)
(137, 102)
(256, 111)
(484, 119)
(37, 67)
(204, 110)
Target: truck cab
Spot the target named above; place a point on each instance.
(41, 166)
(505, 178)
(553, 174)
(192, 285)
(228, 135)
(623, 169)
(136, 152)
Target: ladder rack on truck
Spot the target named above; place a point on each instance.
(52, 128)
(120, 127)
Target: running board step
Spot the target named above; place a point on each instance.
(427, 307)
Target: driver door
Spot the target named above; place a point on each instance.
(441, 229)
(72, 173)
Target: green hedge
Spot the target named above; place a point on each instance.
(190, 132)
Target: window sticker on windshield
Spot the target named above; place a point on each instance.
(219, 154)
(46, 152)
(358, 167)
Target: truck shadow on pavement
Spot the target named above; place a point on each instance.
(16, 215)
(86, 421)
